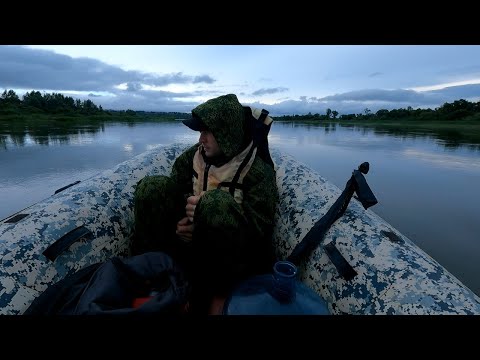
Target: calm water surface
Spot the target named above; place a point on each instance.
(426, 187)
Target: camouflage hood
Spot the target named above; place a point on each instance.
(224, 117)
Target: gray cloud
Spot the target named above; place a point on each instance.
(26, 68)
(375, 74)
(269, 91)
(134, 86)
(32, 69)
(376, 95)
(144, 100)
(354, 102)
(203, 79)
(458, 92)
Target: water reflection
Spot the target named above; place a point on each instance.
(448, 138)
(19, 134)
(3, 142)
(18, 138)
(426, 186)
(443, 160)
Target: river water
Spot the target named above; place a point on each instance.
(427, 187)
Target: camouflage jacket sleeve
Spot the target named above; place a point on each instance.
(182, 170)
(260, 195)
(260, 198)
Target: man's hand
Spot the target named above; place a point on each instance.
(185, 229)
(192, 202)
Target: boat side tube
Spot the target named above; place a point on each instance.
(84, 224)
(91, 222)
(392, 275)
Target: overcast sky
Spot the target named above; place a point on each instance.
(284, 79)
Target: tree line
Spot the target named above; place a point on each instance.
(55, 103)
(457, 110)
(58, 104)
(50, 103)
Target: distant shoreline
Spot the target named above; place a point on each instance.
(465, 131)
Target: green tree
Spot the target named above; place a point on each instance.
(34, 99)
(10, 97)
(329, 113)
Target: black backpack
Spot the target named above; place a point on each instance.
(259, 123)
(150, 283)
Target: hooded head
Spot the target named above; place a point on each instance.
(224, 117)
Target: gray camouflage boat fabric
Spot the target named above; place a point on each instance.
(394, 276)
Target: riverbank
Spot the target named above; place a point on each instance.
(452, 133)
(42, 127)
(33, 118)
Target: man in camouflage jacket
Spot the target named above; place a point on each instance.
(215, 213)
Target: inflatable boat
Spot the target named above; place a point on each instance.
(90, 221)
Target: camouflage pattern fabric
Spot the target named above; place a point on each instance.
(225, 118)
(158, 205)
(221, 253)
(230, 241)
(394, 276)
(222, 237)
(224, 241)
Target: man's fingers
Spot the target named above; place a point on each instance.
(190, 211)
(183, 221)
(186, 237)
(184, 228)
(181, 229)
(193, 199)
(185, 232)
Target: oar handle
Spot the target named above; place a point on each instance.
(312, 239)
